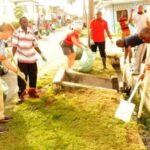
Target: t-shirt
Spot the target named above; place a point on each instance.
(140, 21)
(98, 26)
(123, 23)
(25, 43)
(68, 39)
(132, 41)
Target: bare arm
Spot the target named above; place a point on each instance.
(131, 17)
(77, 42)
(8, 65)
(38, 50)
(90, 34)
(108, 33)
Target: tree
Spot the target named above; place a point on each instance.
(18, 12)
(71, 1)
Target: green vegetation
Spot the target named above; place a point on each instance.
(80, 119)
(18, 12)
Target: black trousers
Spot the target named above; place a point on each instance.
(101, 47)
(30, 71)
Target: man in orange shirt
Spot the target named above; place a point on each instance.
(98, 26)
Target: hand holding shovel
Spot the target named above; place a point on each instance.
(126, 108)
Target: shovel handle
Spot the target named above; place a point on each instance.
(142, 98)
(134, 91)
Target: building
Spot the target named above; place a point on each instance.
(6, 11)
(112, 8)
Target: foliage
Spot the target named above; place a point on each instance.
(70, 1)
(81, 119)
(18, 12)
(15, 24)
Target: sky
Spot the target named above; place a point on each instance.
(75, 8)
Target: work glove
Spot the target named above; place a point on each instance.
(92, 42)
(43, 57)
(84, 47)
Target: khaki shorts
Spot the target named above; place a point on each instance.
(67, 49)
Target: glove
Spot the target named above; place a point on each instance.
(84, 47)
(92, 42)
(21, 75)
(43, 57)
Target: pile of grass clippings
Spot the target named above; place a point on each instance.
(81, 119)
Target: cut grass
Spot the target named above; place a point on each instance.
(81, 119)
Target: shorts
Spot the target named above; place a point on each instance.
(67, 49)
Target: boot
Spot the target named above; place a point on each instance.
(32, 93)
(104, 62)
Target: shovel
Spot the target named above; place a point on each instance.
(126, 108)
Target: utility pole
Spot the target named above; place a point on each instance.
(90, 17)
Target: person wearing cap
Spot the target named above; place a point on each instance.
(98, 27)
(67, 45)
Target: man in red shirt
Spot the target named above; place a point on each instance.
(98, 27)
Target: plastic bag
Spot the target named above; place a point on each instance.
(86, 61)
(79, 53)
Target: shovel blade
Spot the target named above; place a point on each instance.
(125, 110)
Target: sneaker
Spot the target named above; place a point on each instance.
(2, 130)
(20, 102)
(35, 95)
(32, 93)
(6, 119)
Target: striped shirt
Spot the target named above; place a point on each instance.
(123, 23)
(25, 43)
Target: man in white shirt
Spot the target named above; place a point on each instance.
(25, 44)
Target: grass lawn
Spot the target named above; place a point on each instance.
(80, 119)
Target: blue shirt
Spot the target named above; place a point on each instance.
(132, 41)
